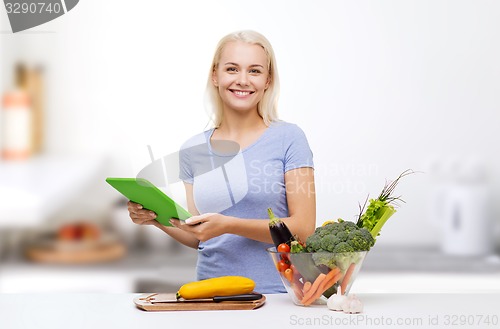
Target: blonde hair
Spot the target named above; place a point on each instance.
(268, 106)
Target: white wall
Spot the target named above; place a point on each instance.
(378, 86)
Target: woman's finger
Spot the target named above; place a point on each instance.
(132, 206)
(195, 220)
(142, 216)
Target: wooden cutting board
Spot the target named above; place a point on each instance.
(143, 303)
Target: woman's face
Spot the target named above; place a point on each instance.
(242, 76)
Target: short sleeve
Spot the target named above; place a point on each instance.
(298, 154)
(185, 170)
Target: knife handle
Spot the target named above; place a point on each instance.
(237, 298)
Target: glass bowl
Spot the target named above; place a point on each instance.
(311, 278)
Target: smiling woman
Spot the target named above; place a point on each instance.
(230, 200)
(241, 78)
(249, 58)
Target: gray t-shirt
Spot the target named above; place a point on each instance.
(243, 184)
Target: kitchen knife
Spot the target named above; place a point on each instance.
(171, 298)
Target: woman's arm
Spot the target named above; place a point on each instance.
(301, 199)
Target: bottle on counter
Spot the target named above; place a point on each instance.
(17, 120)
(33, 85)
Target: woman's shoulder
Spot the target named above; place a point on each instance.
(285, 127)
(200, 138)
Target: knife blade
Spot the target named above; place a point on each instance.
(171, 298)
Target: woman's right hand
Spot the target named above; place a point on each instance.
(139, 215)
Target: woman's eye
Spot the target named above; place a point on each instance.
(255, 71)
(231, 69)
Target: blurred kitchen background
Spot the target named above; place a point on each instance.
(378, 87)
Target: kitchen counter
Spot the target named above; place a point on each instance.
(73, 311)
(386, 270)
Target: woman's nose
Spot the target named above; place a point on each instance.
(243, 79)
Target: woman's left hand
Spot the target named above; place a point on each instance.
(205, 226)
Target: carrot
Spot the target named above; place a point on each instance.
(332, 277)
(307, 287)
(347, 277)
(297, 277)
(314, 287)
(298, 292)
(328, 281)
(325, 284)
(331, 282)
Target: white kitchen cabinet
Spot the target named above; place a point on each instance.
(33, 190)
(151, 269)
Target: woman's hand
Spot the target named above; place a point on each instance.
(205, 226)
(141, 216)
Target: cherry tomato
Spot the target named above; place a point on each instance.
(282, 265)
(283, 247)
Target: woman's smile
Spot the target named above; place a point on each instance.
(241, 93)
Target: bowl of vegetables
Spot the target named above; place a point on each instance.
(311, 278)
(328, 262)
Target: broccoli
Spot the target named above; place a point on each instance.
(325, 258)
(344, 259)
(349, 226)
(328, 242)
(341, 236)
(343, 247)
(313, 243)
(360, 239)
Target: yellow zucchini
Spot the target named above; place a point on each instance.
(219, 286)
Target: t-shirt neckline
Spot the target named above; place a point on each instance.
(260, 138)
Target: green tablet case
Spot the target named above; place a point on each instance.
(140, 190)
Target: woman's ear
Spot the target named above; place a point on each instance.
(214, 79)
(268, 82)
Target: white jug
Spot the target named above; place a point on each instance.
(467, 222)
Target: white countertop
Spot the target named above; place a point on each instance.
(69, 311)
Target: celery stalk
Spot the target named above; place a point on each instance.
(383, 215)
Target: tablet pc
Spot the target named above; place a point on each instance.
(140, 190)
